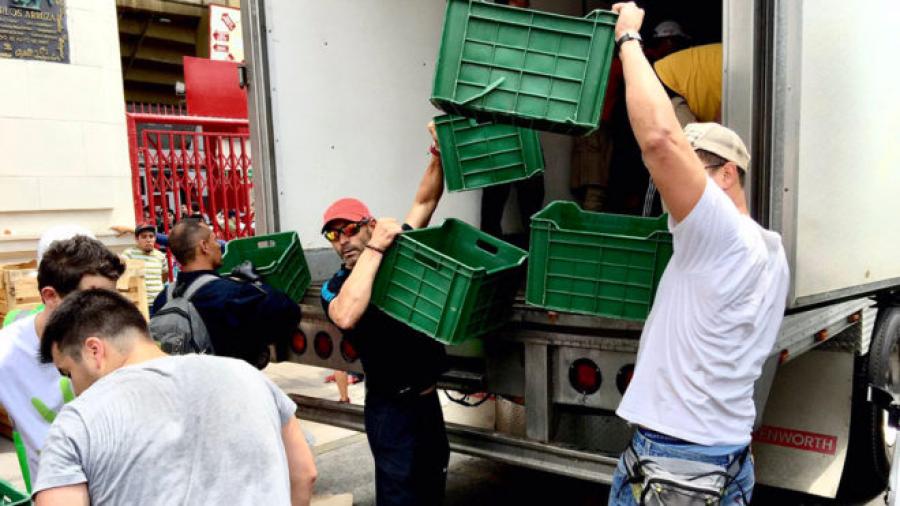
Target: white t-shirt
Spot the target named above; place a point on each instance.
(717, 312)
(24, 383)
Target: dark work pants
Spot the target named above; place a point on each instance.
(529, 193)
(409, 443)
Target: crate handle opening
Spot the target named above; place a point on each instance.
(491, 87)
(428, 261)
(265, 244)
(486, 246)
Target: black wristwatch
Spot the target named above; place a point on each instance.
(625, 37)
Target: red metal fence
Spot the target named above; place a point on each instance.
(188, 165)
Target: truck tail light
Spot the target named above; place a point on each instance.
(585, 377)
(348, 351)
(323, 345)
(298, 342)
(623, 378)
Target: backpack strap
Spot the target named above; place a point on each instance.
(170, 290)
(197, 284)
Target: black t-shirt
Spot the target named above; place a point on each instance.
(241, 318)
(395, 357)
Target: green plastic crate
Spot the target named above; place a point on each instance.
(9, 496)
(525, 67)
(452, 282)
(278, 258)
(475, 155)
(595, 263)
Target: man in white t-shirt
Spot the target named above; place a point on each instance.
(31, 392)
(721, 298)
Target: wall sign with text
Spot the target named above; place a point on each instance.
(34, 30)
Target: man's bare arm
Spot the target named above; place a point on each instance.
(301, 464)
(351, 303)
(71, 495)
(430, 190)
(675, 168)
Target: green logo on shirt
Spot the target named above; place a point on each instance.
(65, 388)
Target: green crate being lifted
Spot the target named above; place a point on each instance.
(278, 258)
(475, 155)
(525, 67)
(596, 263)
(9, 496)
(452, 282)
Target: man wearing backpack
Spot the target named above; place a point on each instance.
(206, 313)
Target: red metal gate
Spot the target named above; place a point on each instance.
(187, 165)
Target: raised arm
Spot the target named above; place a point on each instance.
(675, 168)
(430, 189)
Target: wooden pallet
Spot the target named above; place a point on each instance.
(132, 286)
(19, 289)
(18, 285)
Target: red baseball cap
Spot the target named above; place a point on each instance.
(349, 209)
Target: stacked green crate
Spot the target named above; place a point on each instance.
(278, 258)
(595, 263)
(475, 155)
(451, 282)
(525, 67)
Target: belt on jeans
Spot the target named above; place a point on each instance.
(662, 438)
(407, 392)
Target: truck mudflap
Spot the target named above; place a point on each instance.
(478, 442)
(802, 442)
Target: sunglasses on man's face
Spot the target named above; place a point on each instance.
(348, 230)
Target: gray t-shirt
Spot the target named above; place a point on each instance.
(176, 430)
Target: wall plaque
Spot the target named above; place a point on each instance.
(34, 30)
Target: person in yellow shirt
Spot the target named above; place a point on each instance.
(695, 75)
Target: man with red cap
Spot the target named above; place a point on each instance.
(404, 421)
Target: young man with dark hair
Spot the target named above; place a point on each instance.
(32, 392)
(148, 428)
(403, 416)
(242, 318)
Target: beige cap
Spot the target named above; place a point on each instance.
(718, 140)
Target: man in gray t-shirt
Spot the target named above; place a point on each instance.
(152, 429)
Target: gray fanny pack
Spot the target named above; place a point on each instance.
(658, 481)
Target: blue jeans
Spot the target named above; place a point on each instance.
(620, 493)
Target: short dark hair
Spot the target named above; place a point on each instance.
(95, 312)
(66, 262)
(185, 237)
(710, 158)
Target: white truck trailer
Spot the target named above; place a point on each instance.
(339, 99)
